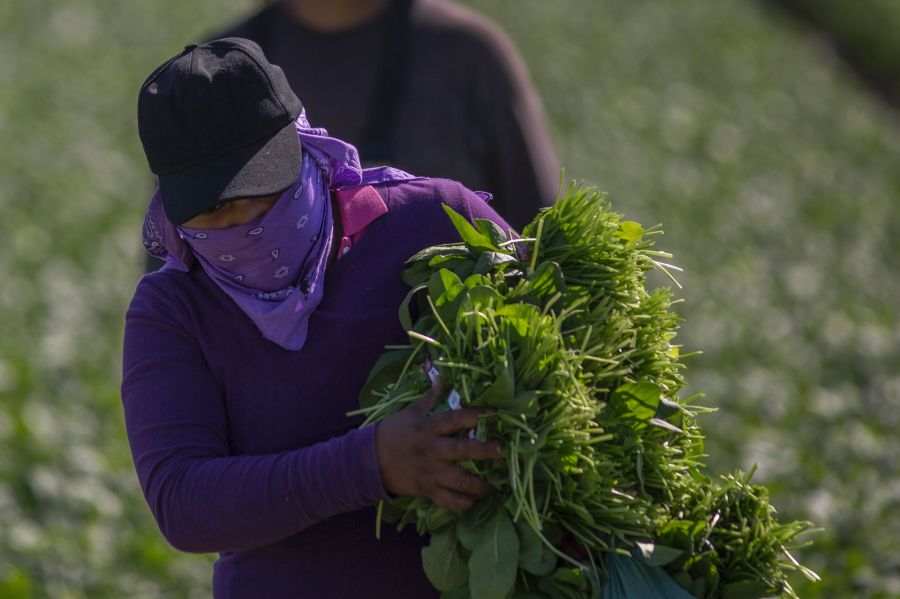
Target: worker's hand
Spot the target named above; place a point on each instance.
(416, 454)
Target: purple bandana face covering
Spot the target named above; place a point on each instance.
(273, 267)
(271, 253)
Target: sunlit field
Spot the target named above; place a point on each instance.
(772, 170)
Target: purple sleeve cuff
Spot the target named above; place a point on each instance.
(369, 474)
(335, 476)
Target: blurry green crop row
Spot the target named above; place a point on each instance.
(773, 173)
(865, 34)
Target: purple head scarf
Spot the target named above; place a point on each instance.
(274, 266)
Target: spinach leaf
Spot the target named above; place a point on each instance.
(469, 234)
(442, 562)
(494, 560)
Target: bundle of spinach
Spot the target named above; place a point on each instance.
(557, 336)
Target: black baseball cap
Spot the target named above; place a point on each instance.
(217, 124)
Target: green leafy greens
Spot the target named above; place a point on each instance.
(557, 336)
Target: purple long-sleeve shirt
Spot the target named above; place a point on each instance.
(244, 448)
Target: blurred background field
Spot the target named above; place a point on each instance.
(773, 167)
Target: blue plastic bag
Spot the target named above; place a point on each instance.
(632, 578)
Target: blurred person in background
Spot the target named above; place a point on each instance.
(242, 359)
(427, 86)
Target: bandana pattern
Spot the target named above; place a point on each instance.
(273, 267)
(263, 256)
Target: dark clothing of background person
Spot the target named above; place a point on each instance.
(427, 86)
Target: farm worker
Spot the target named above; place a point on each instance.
(243, 354)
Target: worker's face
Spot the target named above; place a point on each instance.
(232, 213)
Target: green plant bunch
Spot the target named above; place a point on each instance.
(728, 526)
(556, 336)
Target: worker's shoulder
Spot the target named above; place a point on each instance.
(419, 199)
(449, 24)
(169, 290)
(423, 190)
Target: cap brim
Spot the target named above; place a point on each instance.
(260, 169)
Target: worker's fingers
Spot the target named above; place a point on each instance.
(447, 423)
(452, 477)
(426, 402)
(452, 500)
(451, 450)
